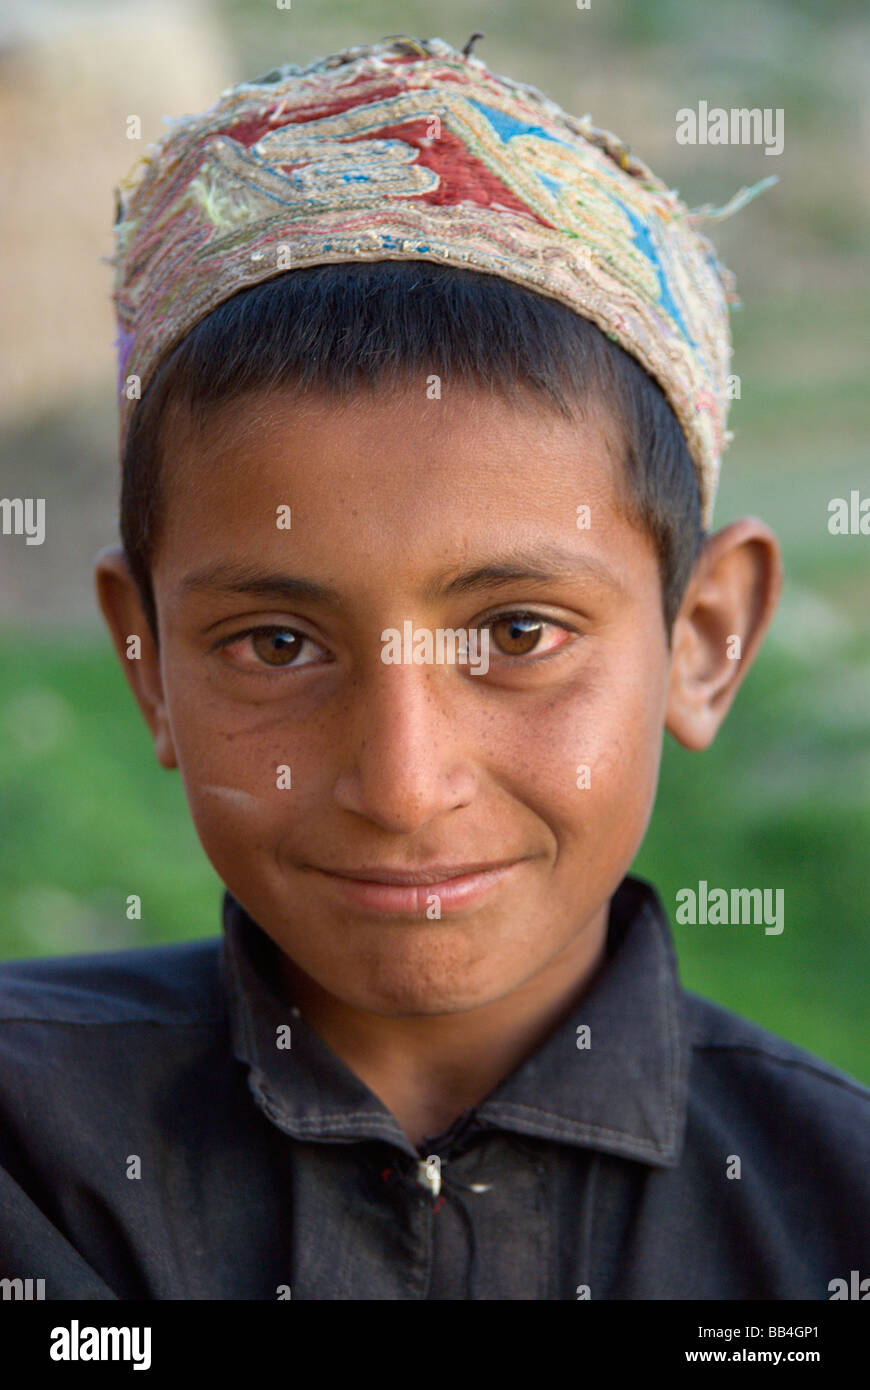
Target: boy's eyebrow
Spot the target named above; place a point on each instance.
(542, 563)
(233, 578)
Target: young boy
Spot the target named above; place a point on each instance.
(423, 400)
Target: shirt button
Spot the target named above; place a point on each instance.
(429, 1173)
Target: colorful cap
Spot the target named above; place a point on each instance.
(411, 150)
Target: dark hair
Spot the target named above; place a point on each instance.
(345, 327)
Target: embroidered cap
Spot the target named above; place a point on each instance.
(411, 150)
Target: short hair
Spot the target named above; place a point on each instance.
(340, 328)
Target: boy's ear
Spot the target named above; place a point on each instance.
(125, 617)
(729, 602)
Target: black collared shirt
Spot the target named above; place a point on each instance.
(157, 1142)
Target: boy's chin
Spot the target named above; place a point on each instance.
(427, 988)
(413, 1002)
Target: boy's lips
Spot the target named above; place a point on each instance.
(388, 889)
(425, 873)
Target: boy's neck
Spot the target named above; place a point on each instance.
(428, 1069)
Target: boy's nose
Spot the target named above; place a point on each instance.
(403, 756)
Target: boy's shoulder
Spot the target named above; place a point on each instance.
(172, 984)
(736, 1060)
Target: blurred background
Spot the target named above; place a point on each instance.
(783, 797)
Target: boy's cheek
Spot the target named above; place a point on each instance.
(596, 753)
(600, 805)
(601, 819)
(242, 786)
(252, 791)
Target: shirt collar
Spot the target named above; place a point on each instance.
(626, 1093)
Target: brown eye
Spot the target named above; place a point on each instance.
(277, 646)
(265, 648)
(518, 633)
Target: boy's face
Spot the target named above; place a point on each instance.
(442, 514)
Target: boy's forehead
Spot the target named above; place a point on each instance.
(490, 482)
(393, 440)
(379, 416)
